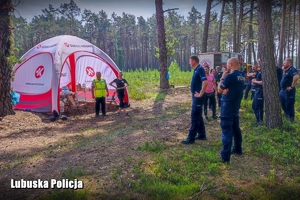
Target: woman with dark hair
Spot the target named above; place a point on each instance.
(120, 85)
(210, 92)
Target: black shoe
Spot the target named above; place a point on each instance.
(96, 115)
(187, 141)
(236, 153)
(200, 138)
(291, 120)
(214, 117)
(104, 115)
(261, 123)
(206, 118)
(225, 161)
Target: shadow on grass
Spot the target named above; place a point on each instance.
(159, 101)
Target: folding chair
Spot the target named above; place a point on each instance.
(75, 104)
(111, 99)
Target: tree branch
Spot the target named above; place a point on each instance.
(216, 4)
(171, 9)
(248, 11)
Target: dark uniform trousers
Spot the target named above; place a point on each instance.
(219, 100)
(258, 105)
(212, 101)
(230, 129)
(248, 88)
(197, 119)
(99, 101)
(287, 100)
(219, 97)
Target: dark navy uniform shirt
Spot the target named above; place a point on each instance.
(279, 75)
(251, 77)
(197, 79)
(218, 76)
(243, 74)
(234, 82)
(258, 78)
(287, 78)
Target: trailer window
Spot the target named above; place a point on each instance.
(225, 57)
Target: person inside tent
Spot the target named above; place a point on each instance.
(99, 87)
(120, 85)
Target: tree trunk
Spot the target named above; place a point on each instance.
(206, 27)
(294, 28)
(298, 35)
(5, 70)
(234, 25)
(164, 82)
(239, 31)
(250, 34)
(266, 52)
(253, 51)
(218, 47)
(281, 43)
(195, 38)
(289, 30)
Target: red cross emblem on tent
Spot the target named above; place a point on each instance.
(39, 71)
(66, 44)
(90, 71)
(38, 46)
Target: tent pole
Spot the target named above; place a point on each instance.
(73, 71)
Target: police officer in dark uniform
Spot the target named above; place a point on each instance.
(258, 100)
(218, 76)
(251, 75)
(231, 87)
(198, 87)
(288, 91)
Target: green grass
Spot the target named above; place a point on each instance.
(269, 190)
(281, 145)
(74, 173)
(155, 147)
(66, 194)
(80, 194)
(176, 173)
(144, 82)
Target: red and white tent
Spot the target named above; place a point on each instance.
(59, 61)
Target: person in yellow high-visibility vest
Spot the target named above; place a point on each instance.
(99, 93)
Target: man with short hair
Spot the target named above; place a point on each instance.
(218, 76)
(288, 89)
(210, 92)
(198, 87)
(251, 75)
(231, 87)
(99, 92)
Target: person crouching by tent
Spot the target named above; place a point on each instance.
(99, 92)
(120, 83)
